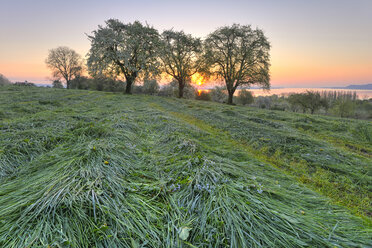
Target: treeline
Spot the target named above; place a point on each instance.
(335, 103)
(237, 55)
(149, 86)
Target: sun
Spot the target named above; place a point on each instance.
(197, 79)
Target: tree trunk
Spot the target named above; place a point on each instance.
(231, 95)
(128, 88)
(181, 86)
(68, 86)
(230, 91)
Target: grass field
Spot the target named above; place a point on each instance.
(95, 169)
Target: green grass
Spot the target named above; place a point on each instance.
(94, 169)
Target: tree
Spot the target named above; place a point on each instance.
(64, 63)
(344, 108)
(4, 80)
(180, 56)
(123, 49)
(239, 55)
(245, 97)
(297, 101)
(57, 84)
(311, 100)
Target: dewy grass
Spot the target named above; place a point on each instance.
(109, 170)
(338, 173)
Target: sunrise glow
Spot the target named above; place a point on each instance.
(198, 79)
(312, 44)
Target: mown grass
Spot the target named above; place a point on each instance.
(93, 169)
(318, 156)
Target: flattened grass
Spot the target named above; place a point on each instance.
(341, 173)
(109, 170)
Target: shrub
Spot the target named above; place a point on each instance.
(203, 95)
(57, 84)
(99, 83)
(245, 97)
(25, 83)
(189, 91)
(168, 90)
(218, 94)
(343, 108)
(4, 80)
(171, 90)
(137, 89)
(311, 100)
(81, 83)
(264, 102)
(363, 109)
(151, 87)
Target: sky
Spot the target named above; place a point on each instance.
(315, 43)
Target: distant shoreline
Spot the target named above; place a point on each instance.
(207, 87)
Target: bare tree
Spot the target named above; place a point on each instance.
(180, 56)
(64, 63)
(239, 55)
(124, 49)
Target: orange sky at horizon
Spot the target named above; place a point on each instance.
(287, 73)
(289, 67)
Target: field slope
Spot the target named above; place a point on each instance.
(95, 169)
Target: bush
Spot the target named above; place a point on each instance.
(344, 108)
(189, 91)
(218, 94)
(112, 85)
(57, 84)
(264, 102)
(363, 109)
(203, 95)
(151, 87)
(245, 97)
(25, 83)
(168, 90)
(99, 83)
(137, 89)
(4, 80)
(171, 90)
(311, 100)
(82, 83)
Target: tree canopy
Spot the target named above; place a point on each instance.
(65, 63)
(129, 50)
(311, 100)
(239, 55)
(180, 56)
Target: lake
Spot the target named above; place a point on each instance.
(361, 94)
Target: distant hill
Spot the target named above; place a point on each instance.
(359, 87)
